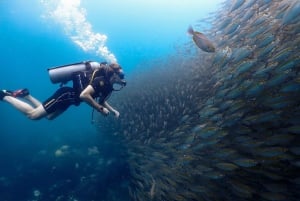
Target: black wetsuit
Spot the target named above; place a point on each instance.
(64, 97)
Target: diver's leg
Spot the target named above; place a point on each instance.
(38, 113)
(21, 93)
(25, 108)
(18, 104)
(33, 100)
(24, 93)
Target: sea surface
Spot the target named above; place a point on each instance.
(194, 125)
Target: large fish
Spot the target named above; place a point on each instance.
(201, 41)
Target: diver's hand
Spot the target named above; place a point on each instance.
(116, 113)
(104, 111)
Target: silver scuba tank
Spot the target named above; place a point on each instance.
(63, 74)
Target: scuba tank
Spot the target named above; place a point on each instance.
(63, 74)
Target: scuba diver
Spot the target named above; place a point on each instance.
(93, 83)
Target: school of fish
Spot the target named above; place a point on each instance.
(223, 125)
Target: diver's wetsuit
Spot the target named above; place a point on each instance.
(61, 100)
(67, 96)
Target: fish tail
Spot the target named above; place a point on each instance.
(190, 30)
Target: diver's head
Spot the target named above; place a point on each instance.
(103, 64)
(116, 75)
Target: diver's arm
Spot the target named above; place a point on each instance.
(86, 96)
(110, 108)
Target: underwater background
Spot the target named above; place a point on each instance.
(194, 125)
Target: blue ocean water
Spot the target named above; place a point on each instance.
(34, 36)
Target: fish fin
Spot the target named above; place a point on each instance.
(190, 30)
(199, 34)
